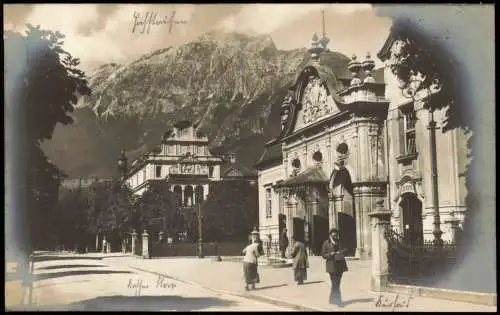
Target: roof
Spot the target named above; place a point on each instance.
(311, 175)
(271, 153)
(239, 168)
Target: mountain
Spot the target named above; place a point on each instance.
(230, 84)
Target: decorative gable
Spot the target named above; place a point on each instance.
(234, 173)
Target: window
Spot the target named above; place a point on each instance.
(409, 121)
(158, 171)
(268, 203)
(211, 171)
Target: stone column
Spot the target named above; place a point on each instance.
(358, 208)
(145, 244)
(453, 223)
(134, 238)
(380, 222)
(182, 194)
(97, 242)
(332, 213)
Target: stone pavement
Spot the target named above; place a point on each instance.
(89, 282)
(277, 285)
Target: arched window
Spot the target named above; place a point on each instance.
(198, 193)
(188, 195)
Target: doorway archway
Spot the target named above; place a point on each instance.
(344, 207)
(412, 223)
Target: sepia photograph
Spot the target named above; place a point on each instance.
(250, 157)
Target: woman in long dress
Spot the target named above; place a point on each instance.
(300, 262)
(252, 253)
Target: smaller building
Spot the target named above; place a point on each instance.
(184, 160)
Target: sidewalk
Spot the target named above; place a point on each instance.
(277, 285)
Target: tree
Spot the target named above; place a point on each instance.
(161, 206)
(42, 84)
(230, 211)
(72, 220)
(111, 210)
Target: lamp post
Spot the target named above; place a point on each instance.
(200, 231)
(410, 91)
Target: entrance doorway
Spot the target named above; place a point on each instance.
(412, 223)
(344, 206)
(320, 228)
(298, 229)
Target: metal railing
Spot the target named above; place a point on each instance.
(418, 262)
(165, 249)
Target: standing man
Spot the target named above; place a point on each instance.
(283, 243)
(335, 264)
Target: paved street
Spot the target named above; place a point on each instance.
(88, 282)
(277, 284)
(110, 282)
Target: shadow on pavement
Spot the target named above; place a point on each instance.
(68, 266)
(76, 273)
(312, 282)
(137, 303)
(345, 303)
(270, 287)
(47, 258)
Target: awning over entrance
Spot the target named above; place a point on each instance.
(311, 175)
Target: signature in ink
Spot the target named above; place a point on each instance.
(393, 301)
(143, 23)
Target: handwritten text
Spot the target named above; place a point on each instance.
(396, 301)
(143, 23)
(139, 285)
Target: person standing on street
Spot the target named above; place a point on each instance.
(300, 261)
(283, 243)
(335, 264)
(252, 253)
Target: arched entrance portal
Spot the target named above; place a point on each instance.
(342, 193)
(412, 225)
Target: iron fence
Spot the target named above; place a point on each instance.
(165, 249)
(418, 262)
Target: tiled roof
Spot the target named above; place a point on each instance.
(311, 175)
(271, 153)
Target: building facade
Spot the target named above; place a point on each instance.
(346, 142)
(185, 161)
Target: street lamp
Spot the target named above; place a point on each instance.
(410, 91)
(200, 231)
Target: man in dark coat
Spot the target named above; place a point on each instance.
(283, 243)
(335, 264)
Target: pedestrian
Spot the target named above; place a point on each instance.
(335, 264)
(300, 261)
(283, 242)
(252, 253)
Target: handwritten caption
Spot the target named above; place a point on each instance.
(393, 301)
(143, 23)
(138, 285)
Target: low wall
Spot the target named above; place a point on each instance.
(489, 299)
(191, 249)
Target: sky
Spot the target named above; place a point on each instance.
(102, 33)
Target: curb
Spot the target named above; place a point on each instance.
(487, 299)
(249, 296)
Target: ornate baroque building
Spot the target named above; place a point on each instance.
(346, 141)
(185, 161)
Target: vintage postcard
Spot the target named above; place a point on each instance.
(250, 157)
